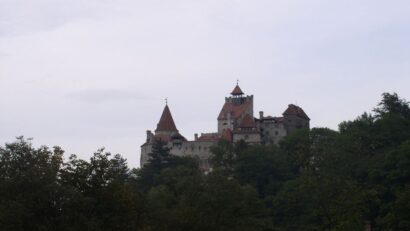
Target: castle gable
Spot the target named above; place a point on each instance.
(248, 122)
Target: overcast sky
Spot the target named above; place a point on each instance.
(89, 74)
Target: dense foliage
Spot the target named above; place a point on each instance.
(316, 179)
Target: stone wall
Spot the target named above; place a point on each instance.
(253, 138)
(271, 131)
(199, 150)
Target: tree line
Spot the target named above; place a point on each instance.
(317, 179)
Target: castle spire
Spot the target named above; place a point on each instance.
(237, 91)
(166, 123)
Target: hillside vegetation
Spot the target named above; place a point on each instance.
(317, 179)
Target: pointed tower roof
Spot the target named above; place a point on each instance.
(237, 90)
(166, 123)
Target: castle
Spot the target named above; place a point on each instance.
(236, 122)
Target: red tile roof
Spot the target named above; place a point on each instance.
(296, 111)
(209, 137)
(248, 122)
(237, 110)
(166, 123)
(237, 91)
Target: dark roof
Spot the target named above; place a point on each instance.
(270, 118)
(279, 119)
(237, 91)
(162, 137)
(178, 136)
(236, 110)
(296, 111)
(166, 123)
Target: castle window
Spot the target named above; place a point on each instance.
(225, 123)
(276, 133)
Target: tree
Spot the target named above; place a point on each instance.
(263, 167)
(29, 198)
(392, 104)
(226, 205)
(159, 159)
(223, 156)
(99, 195)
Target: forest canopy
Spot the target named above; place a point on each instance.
(317, 179)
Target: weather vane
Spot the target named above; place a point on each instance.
(166, 101)
(237, 81)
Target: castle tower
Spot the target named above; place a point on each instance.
(234, 110)
(295, 118)
(166, 124)
(166, 132)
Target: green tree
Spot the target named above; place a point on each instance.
(29, 189)
(99, 196)
(159, 159)
(263, 167)
(226, 205)
(223, 156)
(392, 104)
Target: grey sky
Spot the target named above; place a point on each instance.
(86, 74)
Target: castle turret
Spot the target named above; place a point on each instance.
(166, 123)
(237, 91)
(295, 118)
(166, 129)
(235, 109)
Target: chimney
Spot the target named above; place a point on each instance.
(228, 118)
(261, 115)
(196, 136)
(149, 136)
